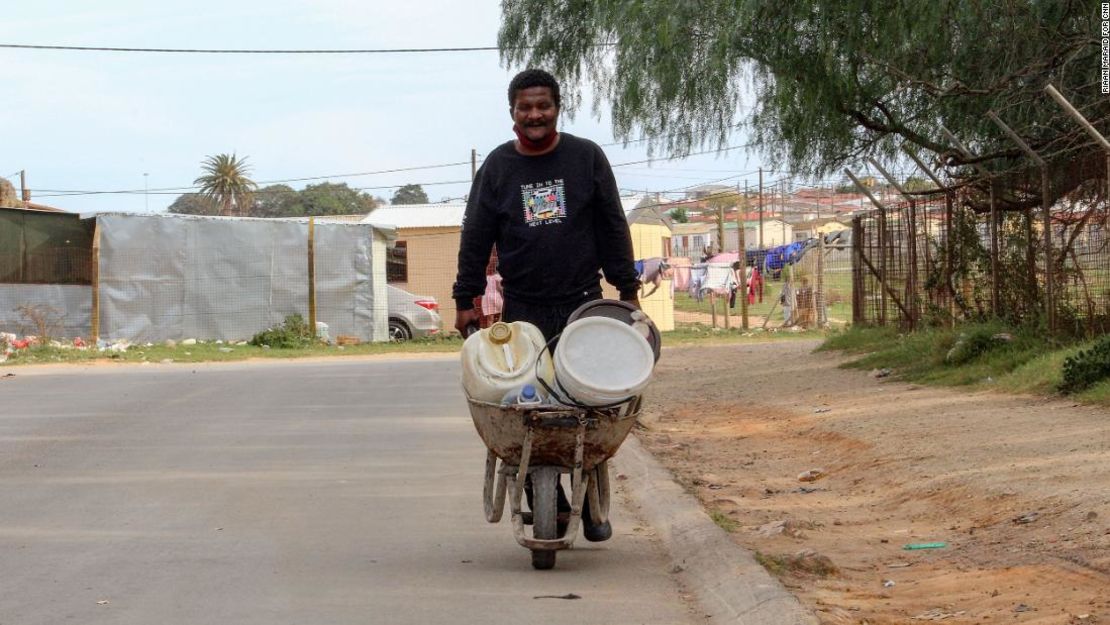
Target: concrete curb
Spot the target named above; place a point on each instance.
(727, 581)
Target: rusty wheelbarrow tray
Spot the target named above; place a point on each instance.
(543, 443)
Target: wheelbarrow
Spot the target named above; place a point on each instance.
(542, 443)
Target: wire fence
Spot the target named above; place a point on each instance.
(939, 261)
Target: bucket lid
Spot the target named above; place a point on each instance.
(605, 355)
(621, 311)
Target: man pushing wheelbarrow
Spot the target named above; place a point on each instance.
(550, 204)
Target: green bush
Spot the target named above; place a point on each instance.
(1087, 367)
(972, 345)
(292, 334)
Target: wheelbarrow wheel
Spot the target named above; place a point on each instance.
(545, 481)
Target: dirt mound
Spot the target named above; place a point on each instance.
(921, 504)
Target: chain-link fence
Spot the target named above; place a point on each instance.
(938, 260)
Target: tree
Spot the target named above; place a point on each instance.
(279, 200)
(329, 198)
(276, 200)
(409, 194)
(679, 215)
(833, 81)
(193, 204)
(225, 182)
(8, 195)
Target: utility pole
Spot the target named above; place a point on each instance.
(741, 239)
(782, 214)
(473, 164)
(760, 208)
(25, 193)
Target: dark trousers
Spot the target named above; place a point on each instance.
(551, 319)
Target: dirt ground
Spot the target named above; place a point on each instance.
(1018, 488)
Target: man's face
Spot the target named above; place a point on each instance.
(535, 112)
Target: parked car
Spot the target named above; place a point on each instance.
(411, 316)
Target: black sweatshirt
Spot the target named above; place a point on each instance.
(556, 220)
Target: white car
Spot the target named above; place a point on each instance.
(411, 316)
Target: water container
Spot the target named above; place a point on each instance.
(602, 361)
(502, 359)
(526, 395)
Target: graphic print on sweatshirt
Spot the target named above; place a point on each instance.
(544, 202)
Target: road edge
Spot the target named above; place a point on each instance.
(728, 583)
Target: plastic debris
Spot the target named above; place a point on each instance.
(916, 546)
(811, 476)
(888, 583)
(1026, 518)
(189, 342)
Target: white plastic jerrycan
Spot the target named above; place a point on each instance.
(502, 358)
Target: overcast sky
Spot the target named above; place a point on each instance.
(99, 121)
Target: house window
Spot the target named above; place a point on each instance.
(397, 263)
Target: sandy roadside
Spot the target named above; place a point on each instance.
(1017, 488)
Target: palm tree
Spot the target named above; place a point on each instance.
(225, 182)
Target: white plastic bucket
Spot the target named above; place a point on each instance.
(601, 361)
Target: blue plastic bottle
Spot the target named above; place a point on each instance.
(526, 395)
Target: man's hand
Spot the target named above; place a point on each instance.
(465, 319)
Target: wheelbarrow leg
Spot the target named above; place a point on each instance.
(598, 493)
(493, 492)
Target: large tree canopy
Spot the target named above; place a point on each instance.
(279, 200)
(410, 194)
(830, 82)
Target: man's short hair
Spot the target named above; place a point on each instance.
(534, 78)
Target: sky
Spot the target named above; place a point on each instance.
(143, 123)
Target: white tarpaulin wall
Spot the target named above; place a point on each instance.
(176, 277)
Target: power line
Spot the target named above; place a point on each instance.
(193, 191)
(21, 46)
(59, 192)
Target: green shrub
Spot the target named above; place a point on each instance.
(292, 334)
(1087, 367)
(972, 345)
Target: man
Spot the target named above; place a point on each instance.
(549, 202)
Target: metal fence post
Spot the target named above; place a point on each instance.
(1046, 201)
(312, 275)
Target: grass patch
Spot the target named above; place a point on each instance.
(978, 356)
(687, 333)
(724, 521)
(214, 352)
(210, 351)
(804, 563)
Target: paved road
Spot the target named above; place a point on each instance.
(278, 492)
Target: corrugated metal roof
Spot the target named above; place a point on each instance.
(418, 216)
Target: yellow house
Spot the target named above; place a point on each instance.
(424, 258)
(651, 238)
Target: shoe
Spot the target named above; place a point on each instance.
(594, 533)
(597, 533)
